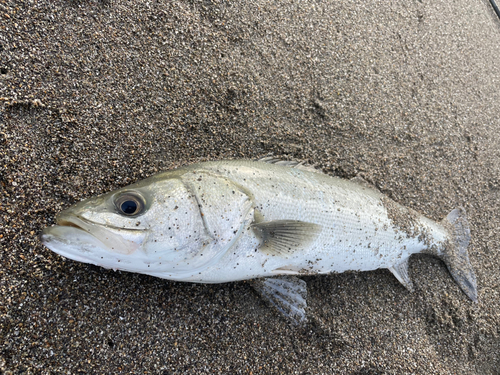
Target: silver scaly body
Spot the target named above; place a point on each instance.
(234, 220)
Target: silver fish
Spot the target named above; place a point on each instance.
(267, 220)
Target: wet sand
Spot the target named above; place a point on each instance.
(97, 95)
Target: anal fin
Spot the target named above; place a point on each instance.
(287, 293)
(400, 271)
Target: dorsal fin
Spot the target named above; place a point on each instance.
(289, 163)
(285, 237)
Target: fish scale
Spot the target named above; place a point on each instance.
(346, 233)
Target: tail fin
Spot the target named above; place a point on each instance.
(455, 256)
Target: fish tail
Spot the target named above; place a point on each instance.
(455, 254)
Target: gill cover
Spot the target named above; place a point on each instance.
(224, 212)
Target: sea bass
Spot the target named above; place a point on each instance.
(268, 220)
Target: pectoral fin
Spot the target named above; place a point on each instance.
(400, 270)
(285, 237)
(287, 293)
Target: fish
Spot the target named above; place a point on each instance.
(268, 221)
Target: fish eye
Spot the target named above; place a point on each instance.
(130, 204)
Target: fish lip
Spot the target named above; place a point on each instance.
(68, 223)
(75, 221)
(79, 222)
(46, 231)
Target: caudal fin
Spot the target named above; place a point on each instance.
(455, 256)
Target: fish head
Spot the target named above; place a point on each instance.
(152, 227)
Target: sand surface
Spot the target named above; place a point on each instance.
(97, 95)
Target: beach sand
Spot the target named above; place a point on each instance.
(97, 95)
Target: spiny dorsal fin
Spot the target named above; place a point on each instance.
(284, 237)
(400, 270)
(290, 163)
(287, 293)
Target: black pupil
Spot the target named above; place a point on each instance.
(129, 207)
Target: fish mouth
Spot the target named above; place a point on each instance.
(63, 222)
(78, 222)
(73, 229)
(67, 223)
